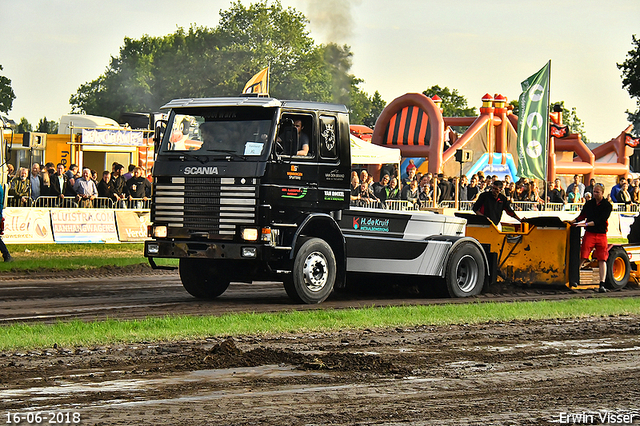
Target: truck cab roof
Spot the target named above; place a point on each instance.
(255, 101)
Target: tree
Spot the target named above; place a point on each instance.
(453, 104)
(44, 126)
(359, 105)
(205, 62)
(631, 80)
(24, 126)
(6, 94)
(377, 105)
(515, 104)
(571, 119)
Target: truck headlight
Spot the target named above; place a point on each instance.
(160, 231)
(250, 234)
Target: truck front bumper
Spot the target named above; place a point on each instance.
(208, 250)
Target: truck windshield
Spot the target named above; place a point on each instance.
(225, 131)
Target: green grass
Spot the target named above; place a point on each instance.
(78, 333)
(34, 257)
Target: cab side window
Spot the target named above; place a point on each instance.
(304, 127)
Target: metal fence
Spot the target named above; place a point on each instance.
(72, 202)
(142, 204)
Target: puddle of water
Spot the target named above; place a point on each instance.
(588, 344)
(132, 385)
(602, 350)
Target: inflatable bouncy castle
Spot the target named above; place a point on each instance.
(414, 124)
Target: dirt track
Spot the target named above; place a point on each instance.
(138, 292)
(518, 373)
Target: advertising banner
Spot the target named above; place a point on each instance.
(27, 226)
(132, 225)
(112, 137)
(533, 125)
(84, 226)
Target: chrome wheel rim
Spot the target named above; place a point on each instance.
(467, 273)
(315, 271)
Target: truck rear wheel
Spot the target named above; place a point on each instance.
(618, 269)
(465, 271)
(313, 274)
(202, 279)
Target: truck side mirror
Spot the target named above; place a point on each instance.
(158, 134)
(288, 140)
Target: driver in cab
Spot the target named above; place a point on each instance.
(303, 139)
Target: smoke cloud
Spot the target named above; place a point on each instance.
(332, 18)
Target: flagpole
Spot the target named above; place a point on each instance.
(546, 169)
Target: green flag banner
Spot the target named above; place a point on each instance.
(533, 125)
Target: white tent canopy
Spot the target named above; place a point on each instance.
(367, 153)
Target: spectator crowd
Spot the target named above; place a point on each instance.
(419, 190)
(77, 188)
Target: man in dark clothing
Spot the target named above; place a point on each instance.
(119, 185)
(595, 214)
(303, 139)
(59, 182)
(463, 186)
(105, 189)
(379, 188)
(445, 189)
(472, 188)
(138, 187)
(492, 203)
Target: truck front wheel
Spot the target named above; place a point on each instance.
(313, 274)
(465, 273)
(202, 279)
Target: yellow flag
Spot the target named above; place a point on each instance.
(259, 83)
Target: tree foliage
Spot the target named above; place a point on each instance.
(515, 105)
(47, 126)
(571, 119)
(377, 105)
(631, 80)
(6, 94)
(453, 104)
(24, 126)
(206, 62)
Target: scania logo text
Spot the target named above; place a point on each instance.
(200, 170)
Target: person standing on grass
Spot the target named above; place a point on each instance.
(595, 214)
(3, 248)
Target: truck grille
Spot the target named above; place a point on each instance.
(208, 204)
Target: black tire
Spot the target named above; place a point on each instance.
(465, 271)
(313, 274)
(202, 279)
(618, 269)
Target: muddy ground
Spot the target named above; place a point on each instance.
(516, 373)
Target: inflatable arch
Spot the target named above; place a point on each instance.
(414, 124)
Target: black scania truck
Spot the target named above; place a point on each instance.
(239, 198)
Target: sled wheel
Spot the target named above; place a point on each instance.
(618, 269)
(465, 271)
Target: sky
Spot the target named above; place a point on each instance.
(50, 47)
